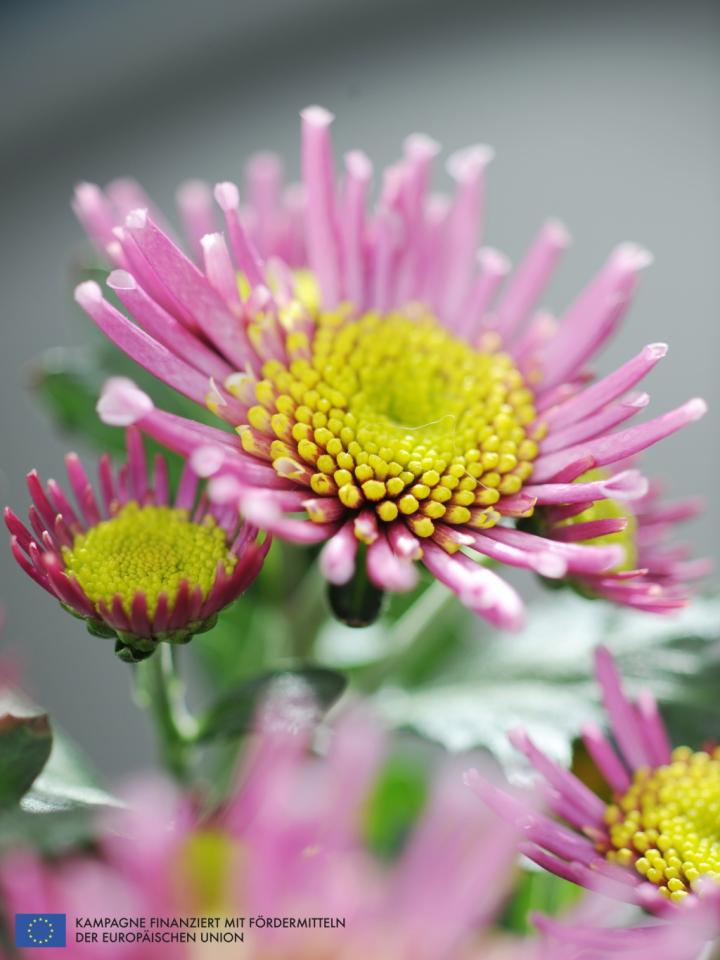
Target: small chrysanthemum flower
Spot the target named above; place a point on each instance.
(386, 388)
(654, 575)
(130, 563)
(653, 838)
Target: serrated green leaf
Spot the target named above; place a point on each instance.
(234, 713)
(25, 744)
(542, 678)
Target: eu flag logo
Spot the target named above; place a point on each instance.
(40, 929)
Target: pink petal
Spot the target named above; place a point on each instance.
(190, 287)
(321, 223)
(247, 257)
(530, 279)
(625, 443)
(625, 725)
(593, 398)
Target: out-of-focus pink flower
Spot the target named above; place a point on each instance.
(129, 562)
(654, 842)
(290, 843)
(390, 385)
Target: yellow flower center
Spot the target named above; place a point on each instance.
(150, 550)
(204, 871)
(609, 510)
(395, 413)
(668, 822)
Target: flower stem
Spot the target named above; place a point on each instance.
(420, 616)
(160, 690)
(407, 635)
(305, 610)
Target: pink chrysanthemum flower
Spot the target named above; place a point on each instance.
(131, 563)
(387, 389)
(290, 843)
(655, 575)
(653, 840)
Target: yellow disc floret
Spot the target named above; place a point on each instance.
(148, 550)
(668, 823)
(393, 412)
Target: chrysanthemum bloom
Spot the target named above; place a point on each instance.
(653, 840)
(384, 393)
(655, 575)
(290, 843)
(129, 562)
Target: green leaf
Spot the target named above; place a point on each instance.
(58, 813)
(234, 713)
(542, 678)
(48, 794)
(66, 783)
(25, 744)
(51, 832)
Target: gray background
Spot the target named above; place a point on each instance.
(603, 114)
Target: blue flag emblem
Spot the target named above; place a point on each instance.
(40, 929)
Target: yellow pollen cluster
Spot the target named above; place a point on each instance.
(668, 823)
(150, 550)
(394, 413)
(609, 510)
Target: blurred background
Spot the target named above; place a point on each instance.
(605, 115)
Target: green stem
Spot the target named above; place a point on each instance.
(409, 632)
(419, 617)
(305, 611)
(161, 691)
